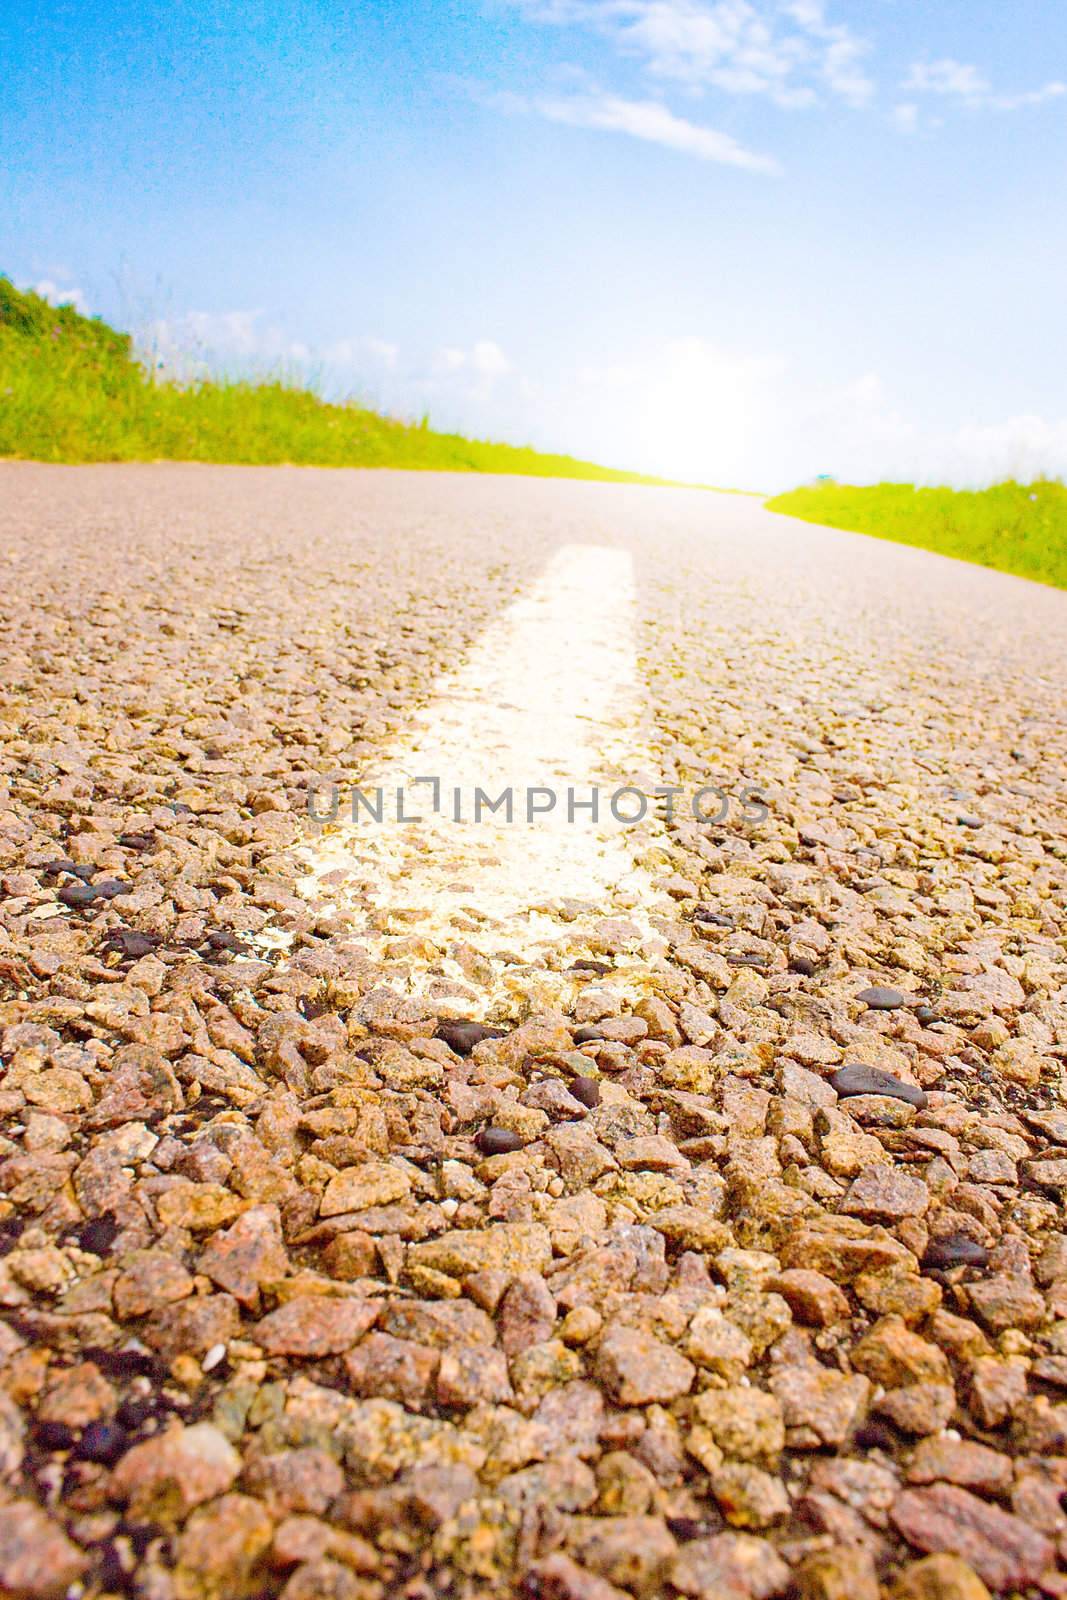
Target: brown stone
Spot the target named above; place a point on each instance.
(394, 1369)
(814, 1300)
(371, 1183)
(1002, 1549)
(918, 1408)
(247, 1256)
(558, 1577)
(221, 1549)
(636, 1368)
(961, 1461)
(885, 1194)
(820, 1407)
(743, 1422)
(733, 1566)
(939, 1577)
(163, 1479)
(843, 1574)
(150, 1280)
(303, 1480)
(37, 1560)
(892, 1355)
(316, 1325)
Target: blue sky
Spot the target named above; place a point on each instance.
(741, 241)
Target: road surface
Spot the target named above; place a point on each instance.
(641, 1173)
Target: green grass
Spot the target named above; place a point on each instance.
(1015, 527)
(72, 389)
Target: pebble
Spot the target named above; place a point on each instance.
(101, 1441)
(881, 999)
(949, 1250)
(498, 1141)
(78, 895)
(858, 1079)
(461, 1035)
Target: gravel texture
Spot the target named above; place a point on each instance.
(713, 1247)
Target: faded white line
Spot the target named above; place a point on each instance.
(546, 699)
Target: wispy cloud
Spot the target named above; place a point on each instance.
(791, 53)
(967, 85)
(948, 77)
(651, 121)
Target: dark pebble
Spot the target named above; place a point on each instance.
(717, 919)
(223, 939)
(872, 1080)
(926, 1016)
(52, 869)
(686, 1528)
(954, 1250)
(881, 999)
(125, 1363)
(131, 942)
(78, 894)
(588, 1033)
(11, 1231)
(137, 841)
(873, 1436)
(133, 1414)
(803, 965)
(115, 1572)
(101, 1441)
(498, 1141)
(586, 1090)
(461, 1035)
(108, 888)
(53, 1436)
(98, 1235)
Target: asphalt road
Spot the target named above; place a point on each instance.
(709, 1270)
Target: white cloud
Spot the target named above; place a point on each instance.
(484, 360)
(237, 331)
(238, 340)
(946, 77)
(359, 354)
(858, 434)
(906, 116)
(789, 53)
(654, 123)
(1030, 97)
(62, 296)
(961, 81)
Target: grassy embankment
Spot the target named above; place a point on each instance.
(1015, 527)
(72, 389)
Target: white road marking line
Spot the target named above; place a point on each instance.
(547, 698)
